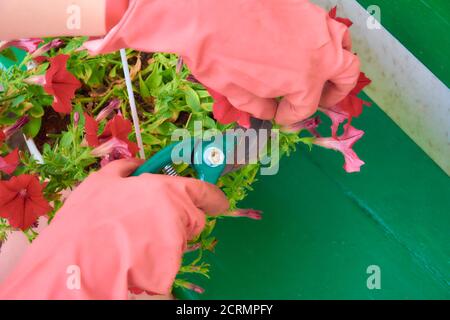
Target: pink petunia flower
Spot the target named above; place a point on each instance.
(246, 213)
(55, 43)
(310, 124)
(29, 45)
(344, 144)
(110, 108)
(193, 287)
(111, 150)
(19, 124)
(350, 107)
(76, 119)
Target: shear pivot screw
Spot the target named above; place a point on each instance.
(213, 157)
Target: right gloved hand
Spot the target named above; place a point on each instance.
(250, 51)
(119, 233)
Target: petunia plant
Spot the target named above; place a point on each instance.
(64, 114)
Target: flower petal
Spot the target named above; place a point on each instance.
(113, 105)
(110, 146)
(246, 213)
(61, 84)
(91, 130)
(21, 203)
(120, 128)
(29, 45)
(344, 144)
(309, 124)
(363, 82)
(333, 15)
(2, 137)
(9, 163)
(225, 113)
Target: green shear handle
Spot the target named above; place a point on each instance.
(208, 158)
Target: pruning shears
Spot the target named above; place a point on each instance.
(211, 158)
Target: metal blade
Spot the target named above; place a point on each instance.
(249, 145)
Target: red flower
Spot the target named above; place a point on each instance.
(363, 82)
(29, 45)
(111, 150)
(2, 137)
(120, 128)
(333, 15)
(61, 84)
(9, 163)
(344, 144)
(91, 130)
(225, 113)
(22, 201)
(350, 107)
(58, 82)
(113, 139)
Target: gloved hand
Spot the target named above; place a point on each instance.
(250, 51)
(119, 232)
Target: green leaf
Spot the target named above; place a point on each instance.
(192, 99)
(66, 140)
(37, 111)
(18, 100)
(309, 141)
(113, 72)
(208, 107)
(150, 140)
(203, 93)
(73, 44)
(145, 93)
(32, 128)
(209, 123)
(97, 76)
(154, 80)
(87, 73)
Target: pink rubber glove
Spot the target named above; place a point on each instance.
(120, 232)
(250, 51)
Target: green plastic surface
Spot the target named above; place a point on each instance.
(421, 26)
(323, 227)
(7, 62)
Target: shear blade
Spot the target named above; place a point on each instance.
(249, 146)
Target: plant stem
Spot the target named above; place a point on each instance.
(84, 99)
